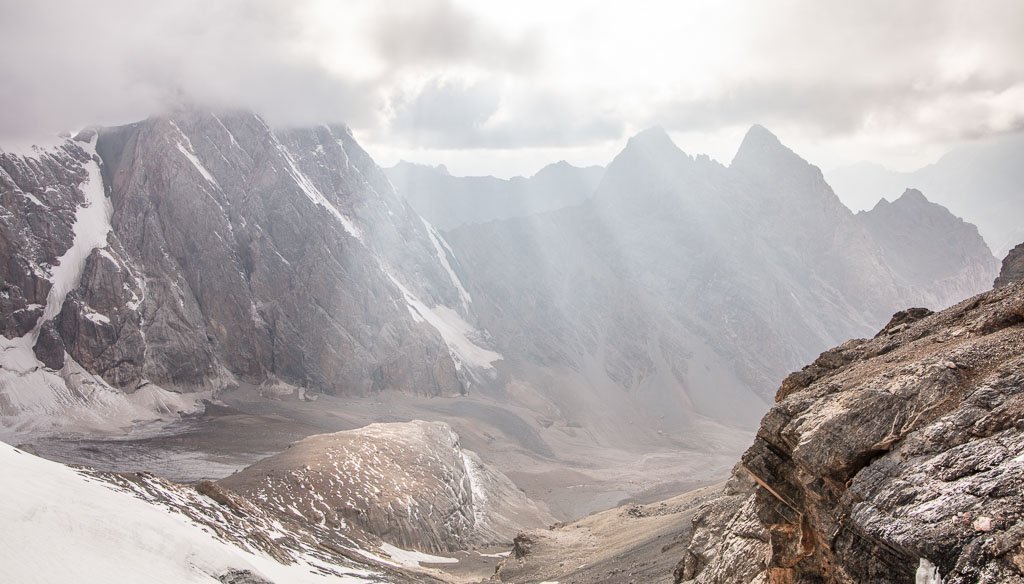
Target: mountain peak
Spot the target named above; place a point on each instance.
(760, 146)
(654, 138)
(760, 134)
(913, 196)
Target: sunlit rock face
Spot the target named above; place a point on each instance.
(885, 460)
(685, 289)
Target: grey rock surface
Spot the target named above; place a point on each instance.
(1013, 267)
(884, 453)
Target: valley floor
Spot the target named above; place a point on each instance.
(628, 544)
(567, 469)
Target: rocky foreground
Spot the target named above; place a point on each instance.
(886, 460)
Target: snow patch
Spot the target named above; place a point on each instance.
(92, 223)
(33, 199)
(927, 573)
(441, 246)
(318, 197)
(453, 329)
(410, 559)
(97, 317)
(199, 165)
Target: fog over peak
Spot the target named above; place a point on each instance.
(438, 81)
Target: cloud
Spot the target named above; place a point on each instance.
(71, 64)
(461, 74)
(457, 114)
(442, 33)
(944, 111)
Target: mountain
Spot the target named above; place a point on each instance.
(450, 201)
(921, 241)
(980, 182)
(885, 460)
(271, 284)
(683, 289)
(190, 252)
(1013, 267)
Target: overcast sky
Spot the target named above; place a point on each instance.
(505, 87)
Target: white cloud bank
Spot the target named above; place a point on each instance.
(533, 81)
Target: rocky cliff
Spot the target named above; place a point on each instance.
(886, 460)
(223, 251)
(1013, 267)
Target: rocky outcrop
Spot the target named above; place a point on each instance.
(1013, 267)
(885, 456)
(409, 484)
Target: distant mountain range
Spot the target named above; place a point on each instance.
(981, 182)
(450, 201)
(565, 324)
(684, 289)
(184, 254)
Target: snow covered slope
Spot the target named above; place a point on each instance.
(66, 525)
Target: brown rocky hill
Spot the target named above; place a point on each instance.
(410, 484)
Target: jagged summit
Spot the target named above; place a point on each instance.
(762, 149)
(910, 198)
(651, 150)
(653, 137)
(913, 196)
(563, 167)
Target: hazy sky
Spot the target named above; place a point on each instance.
(504, 87)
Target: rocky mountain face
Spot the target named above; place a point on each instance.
(893, 459)
(685, 287)
(410, 484)
(1013, 267)
(979, 181)
(450, 201)
(223, 251)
